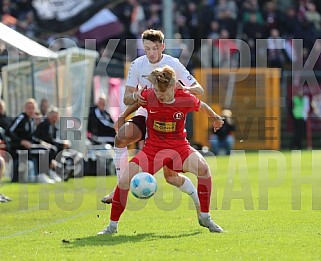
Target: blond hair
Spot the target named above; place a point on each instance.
(162, 77)
(32, 101)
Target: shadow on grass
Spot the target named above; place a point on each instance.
(120, 239)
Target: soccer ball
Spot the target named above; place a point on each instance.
(143, 185)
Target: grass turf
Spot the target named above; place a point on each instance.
(257, 198)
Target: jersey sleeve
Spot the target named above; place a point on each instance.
(188, 101)
(132, 76)
(182, 74)
(196, 102)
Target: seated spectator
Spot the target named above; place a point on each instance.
(100, 125)
(46, 132)
(5, 121)
(21, 133)
(44, 107)
(223, 139)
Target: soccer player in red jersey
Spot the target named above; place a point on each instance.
(166, 144)
(135, 129)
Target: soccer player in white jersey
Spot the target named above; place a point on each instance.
(135, 129)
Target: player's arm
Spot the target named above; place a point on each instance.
(187, 81)
(133, 95)
(216, 119)
(195, 89)
(122, 117)
(130, 95)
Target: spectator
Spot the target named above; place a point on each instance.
(227, 51)
(223, 5)
(252, 30)
(206, 15)
(47, 132)
(276, 56)
(271, 15)
(44, 106)
(228, 23)
(214, 33)
(5, 121)
(223, 139)
(100, 125)
(252, 7)
(3, 56)
(290, 25)
(192, 23)
(21, 133)
(300, 112)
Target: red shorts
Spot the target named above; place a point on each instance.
(151, 159)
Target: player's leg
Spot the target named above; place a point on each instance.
(184, 184)
(120, 198)
(127, 134)
(195, 163)
(132, 131)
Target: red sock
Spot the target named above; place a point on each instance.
(204, 189)
(119, 203)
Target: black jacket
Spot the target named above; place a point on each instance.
(100, 123)
(46, 132)
(22, 128)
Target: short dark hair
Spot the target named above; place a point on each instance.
(153, 35)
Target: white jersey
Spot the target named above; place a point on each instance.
(140, 68)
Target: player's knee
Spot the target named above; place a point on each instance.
(203, 170)
(120, 142)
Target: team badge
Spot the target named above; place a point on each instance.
(178, 116)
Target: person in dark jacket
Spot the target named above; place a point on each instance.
(223, 139)
(5, 121)
(46, 134)
(21, 133)
(100, 125)
(22, 128)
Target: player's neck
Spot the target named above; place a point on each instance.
(169, 102)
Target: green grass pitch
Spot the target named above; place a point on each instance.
(259, 198)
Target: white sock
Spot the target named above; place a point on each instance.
(190, 189)
(113, 223)
(205, 214)
(120, 160)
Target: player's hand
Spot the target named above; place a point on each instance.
(140, 99)
(120, 122)
(217, 124)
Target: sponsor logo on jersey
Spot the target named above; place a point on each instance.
(164, 126)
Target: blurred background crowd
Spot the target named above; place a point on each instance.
(204, 19)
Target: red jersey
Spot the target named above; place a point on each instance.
(166, 122)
